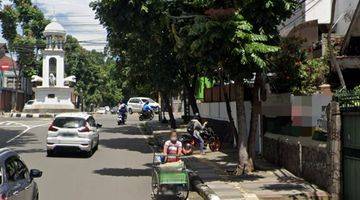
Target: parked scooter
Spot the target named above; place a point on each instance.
(146, 116)
(189, 142)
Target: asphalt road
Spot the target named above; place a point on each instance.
(120, 169)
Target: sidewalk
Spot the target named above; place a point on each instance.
(270, 182)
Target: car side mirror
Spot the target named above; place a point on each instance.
(35, 173)
(98, 125)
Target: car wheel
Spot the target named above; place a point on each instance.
(97, 145)
(36, 197)
(89, 153)
(50, 153)
(130, 111)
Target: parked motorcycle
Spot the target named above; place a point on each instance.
(189, 142)
(121, 119)
(146, 116)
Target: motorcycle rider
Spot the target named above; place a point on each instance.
(197, 127)
(122, 110)
(146, 110)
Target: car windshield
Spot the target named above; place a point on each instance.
(69, 122)
(149, 100)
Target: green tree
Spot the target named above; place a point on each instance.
(26, 43)
(139, 35)
(96, 74)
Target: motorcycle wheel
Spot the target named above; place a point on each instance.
(151, 116)
(187, 148)
(214, 144)
(141, 118)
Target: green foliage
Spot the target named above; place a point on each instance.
(26, 43)
(138, 34)
(96, 74)
(294, 72)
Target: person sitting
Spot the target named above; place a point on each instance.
(172, 148)
(195, 127)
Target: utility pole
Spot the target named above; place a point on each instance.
(333, 60)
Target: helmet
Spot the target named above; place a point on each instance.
(196, 116)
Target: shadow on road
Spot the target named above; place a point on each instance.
(123, 129)
(35, 150)
(127, 172)
(28, 138)
(131, 144)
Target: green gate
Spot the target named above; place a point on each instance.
(350, 115)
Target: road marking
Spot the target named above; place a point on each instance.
(25, 131)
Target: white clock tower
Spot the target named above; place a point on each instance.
(53, 95)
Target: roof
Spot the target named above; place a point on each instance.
(54, 28)
(75, 114)
(6, 61)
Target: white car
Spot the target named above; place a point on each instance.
(73, 130)
(28, 105)
(136, 104)
(101, 110)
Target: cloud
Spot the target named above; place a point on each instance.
(78, 19)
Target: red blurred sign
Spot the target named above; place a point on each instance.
(4, 67)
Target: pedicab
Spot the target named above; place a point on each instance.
(169, 179)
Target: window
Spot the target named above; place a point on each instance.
(91, 121)
(52, 66)
(69, 122)
(149, 100)
(30, 102)
(16, 170)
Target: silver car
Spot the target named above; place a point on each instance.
(136, 104)
(73, 130)
(16, 181)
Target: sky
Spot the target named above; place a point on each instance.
(78, 20)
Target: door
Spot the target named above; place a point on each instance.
(18, 179)
(27, 182)
(351, 154)
(137, 105)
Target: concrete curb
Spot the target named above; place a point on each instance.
(201, 188)
(30, 115)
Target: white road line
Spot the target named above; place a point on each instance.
(25, 131)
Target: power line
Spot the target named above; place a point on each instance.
(299, 17)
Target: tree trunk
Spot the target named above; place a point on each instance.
(242, 167)
(166, 99)
(232, 127)
(254, 121)
(190, 89)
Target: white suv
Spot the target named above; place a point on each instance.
(136, 104)
(73, 130)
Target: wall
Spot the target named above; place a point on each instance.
(304, 158)
(342, 7)
(303, 112)
(216, 114)
(319, 10)
(7, 99)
